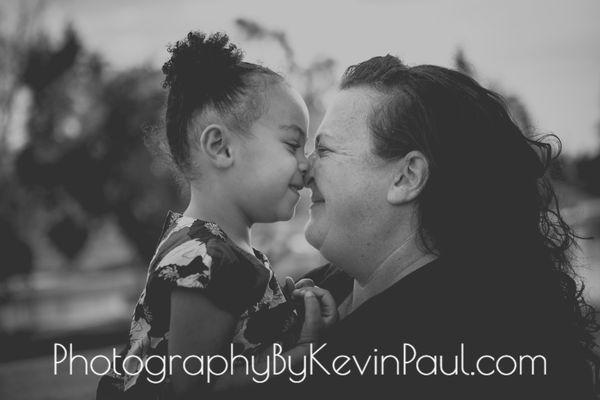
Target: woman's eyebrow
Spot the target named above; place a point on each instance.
(294, 128)
(323, 136)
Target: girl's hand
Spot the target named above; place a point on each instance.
(313, 323)
(322, 306)
(288, 292)
(290, 286)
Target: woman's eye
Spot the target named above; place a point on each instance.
(322, 150)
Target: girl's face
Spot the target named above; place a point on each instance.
(270, 164)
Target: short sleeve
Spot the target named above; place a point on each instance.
(187, 265)
(236, 283)
(228, 279)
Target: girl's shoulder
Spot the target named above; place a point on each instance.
(187, 237)
(198, 254)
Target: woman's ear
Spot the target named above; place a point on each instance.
(410, 176)
(215, 142)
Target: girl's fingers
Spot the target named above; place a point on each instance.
(288, 287)
(312, 319)
(306, 282)
(326, 300)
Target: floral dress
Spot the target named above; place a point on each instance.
(198, 255)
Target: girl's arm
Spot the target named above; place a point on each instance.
(320, 312)
(198, 327)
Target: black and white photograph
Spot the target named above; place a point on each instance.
(259, 199)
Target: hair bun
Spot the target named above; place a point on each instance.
(203, 66)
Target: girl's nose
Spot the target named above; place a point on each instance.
(303, 164)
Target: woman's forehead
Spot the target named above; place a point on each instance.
(347, 118)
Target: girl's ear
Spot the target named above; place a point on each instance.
(410, 176)
(215, 142)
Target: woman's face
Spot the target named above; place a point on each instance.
(349, 183)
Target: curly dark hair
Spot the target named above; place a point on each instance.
(488, 181)
(208, 73)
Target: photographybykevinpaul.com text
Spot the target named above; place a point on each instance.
(408, 361)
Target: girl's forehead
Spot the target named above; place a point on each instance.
(286, 107)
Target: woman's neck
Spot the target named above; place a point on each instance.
(401, 251)
(209, 206)
(393, 239)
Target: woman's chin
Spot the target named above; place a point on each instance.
(314, 236)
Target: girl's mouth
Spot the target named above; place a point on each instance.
(296, 188)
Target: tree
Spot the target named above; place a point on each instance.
(15, 41)
(588, 170)
(462, 64)
(313, 80)
(139, 186)
(60, 77)
(85, 159)
(515, 105)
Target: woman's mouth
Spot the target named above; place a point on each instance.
(316, 196)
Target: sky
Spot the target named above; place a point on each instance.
(545, 51)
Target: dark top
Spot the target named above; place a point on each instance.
(426, 316)
(198, 255)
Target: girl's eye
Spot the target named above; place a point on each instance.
(293, 146)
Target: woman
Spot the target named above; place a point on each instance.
(447, 235)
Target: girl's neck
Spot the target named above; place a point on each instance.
(219, 210)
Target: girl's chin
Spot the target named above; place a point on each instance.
(284, 215)
(291, 213)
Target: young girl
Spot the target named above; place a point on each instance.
(236, 131)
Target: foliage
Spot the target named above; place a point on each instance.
(85, 157)
(588, 173)
(517, 108)
(313, 80)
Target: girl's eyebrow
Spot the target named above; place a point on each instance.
(294, 128)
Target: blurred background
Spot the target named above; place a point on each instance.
(83, 194)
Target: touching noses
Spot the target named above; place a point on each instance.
(303, 163)
(307, 172)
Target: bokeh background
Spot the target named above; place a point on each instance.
(83, 192)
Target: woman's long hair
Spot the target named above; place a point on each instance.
(488, 198)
